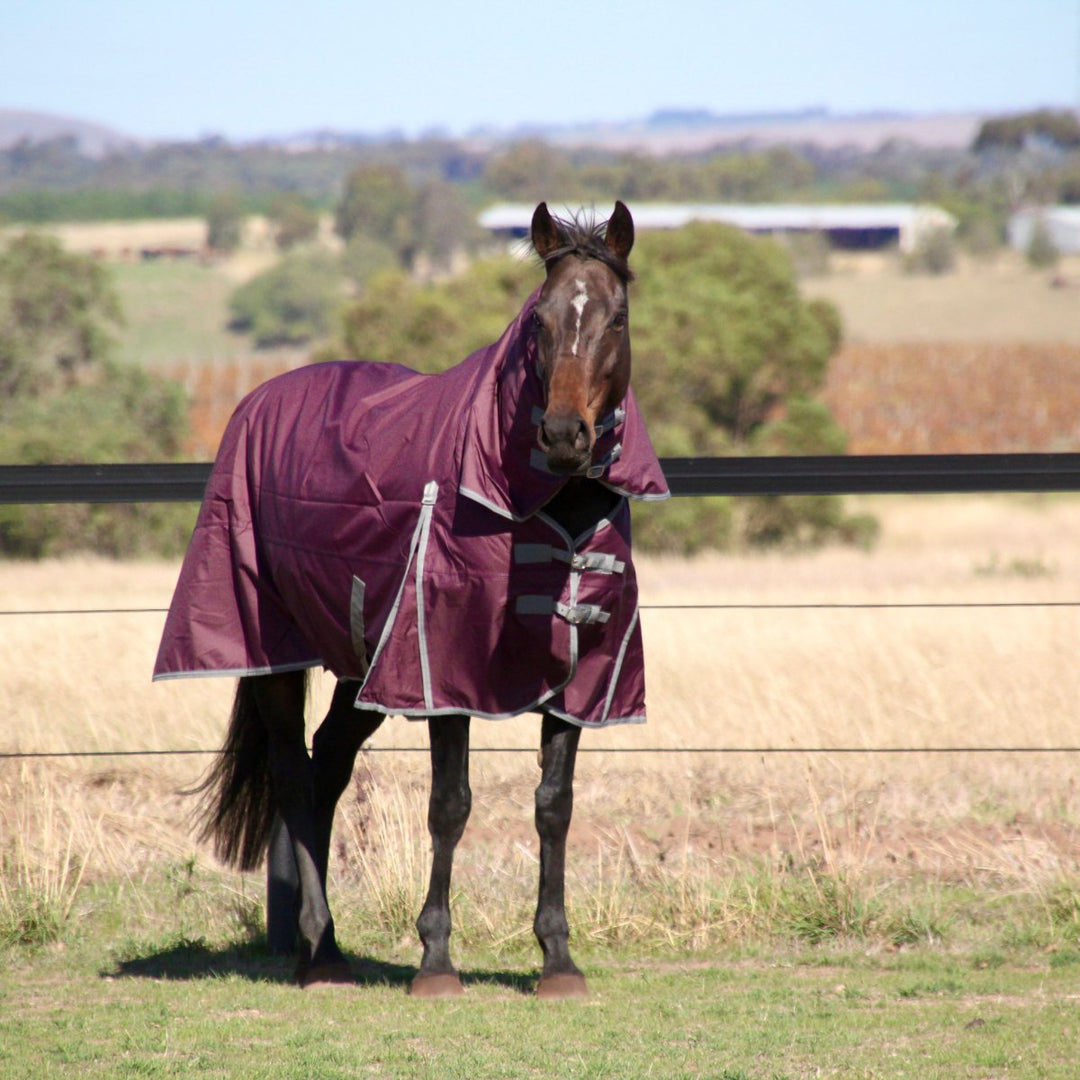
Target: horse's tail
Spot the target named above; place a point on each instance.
(236, 809)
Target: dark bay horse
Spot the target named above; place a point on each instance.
(541, 440)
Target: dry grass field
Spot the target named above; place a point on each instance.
(674, 843)
(673, 846)
(997, 299)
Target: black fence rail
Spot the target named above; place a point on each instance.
(880, 474)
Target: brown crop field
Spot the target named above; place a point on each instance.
(956, 397)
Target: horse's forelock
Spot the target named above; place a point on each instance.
(582, 235)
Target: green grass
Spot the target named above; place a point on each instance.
(169, 976)
(176, 312)
(188, 1009)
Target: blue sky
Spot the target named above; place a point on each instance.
(245, 68)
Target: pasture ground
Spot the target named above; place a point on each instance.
(766, 913)
(780, 1015)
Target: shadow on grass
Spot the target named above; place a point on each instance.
(187, 959)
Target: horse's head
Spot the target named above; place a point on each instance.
(582, 330)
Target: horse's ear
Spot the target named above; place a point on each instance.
(620, 231)
(545, 233)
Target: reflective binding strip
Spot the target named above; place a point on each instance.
(575, 614)
(418, 543)
(431, 492)
(356, 623)
(601, 561)
(609, 422)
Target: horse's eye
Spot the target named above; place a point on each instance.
(618, 321)
(536, 322)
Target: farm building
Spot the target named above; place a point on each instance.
(849, 226)
(1062, 224)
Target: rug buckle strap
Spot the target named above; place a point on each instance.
(608, 423)
(575, 614)
(601, 562)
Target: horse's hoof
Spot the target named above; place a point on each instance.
(562, 987)
(436, 986)
(336, 973)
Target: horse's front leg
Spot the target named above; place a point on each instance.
(448, 811)
(554, 806)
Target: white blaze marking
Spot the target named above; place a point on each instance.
(578, 304)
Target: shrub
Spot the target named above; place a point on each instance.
(125, 414)
(55, 308)
(293, 302)
(1041, 252)
(65, 402)
(935, 254)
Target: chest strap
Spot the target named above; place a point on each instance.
(575, 614)
(602, 562)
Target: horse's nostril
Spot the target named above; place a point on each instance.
(565, 431)
(581, 439)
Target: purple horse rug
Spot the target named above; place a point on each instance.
(390, 527)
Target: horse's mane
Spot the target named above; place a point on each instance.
(582, 235)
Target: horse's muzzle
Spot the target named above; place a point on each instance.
(567, 440)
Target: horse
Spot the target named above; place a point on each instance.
(448, 546)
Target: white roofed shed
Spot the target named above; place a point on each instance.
(869, 225)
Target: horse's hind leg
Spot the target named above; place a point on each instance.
(560, 977)
(280, 701)
(448, 811)
(334, 749)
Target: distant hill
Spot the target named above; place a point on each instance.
(688, 131)
(666, 131)
(93, 140)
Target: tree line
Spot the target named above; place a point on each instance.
(1025, 158)
(728, 360)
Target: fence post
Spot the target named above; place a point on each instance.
(282, 890)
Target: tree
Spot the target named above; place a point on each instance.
(727, 360)
(224, 223)
(1058, 126)
(722, 339)
(55, 309)
(431, 328)
(378, 203)
(442, 223)
(293, 221)
(63, 401)
(531, 170)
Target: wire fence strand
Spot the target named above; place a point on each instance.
(620, 750)
(918, 605)
(696, 750)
